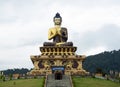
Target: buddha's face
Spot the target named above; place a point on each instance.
(57, 21)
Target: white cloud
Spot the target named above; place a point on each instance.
(24, 26)
(96, 50)
(18, 57)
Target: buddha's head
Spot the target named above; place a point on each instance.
(57, 19)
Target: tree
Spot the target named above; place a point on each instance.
(3, 78)
(10, 76)
(106, 61)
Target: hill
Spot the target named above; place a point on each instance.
(103, 62)
(14, 71)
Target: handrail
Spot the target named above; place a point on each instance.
(71, 82)
(45, 81)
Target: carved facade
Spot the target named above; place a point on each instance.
(53, 56)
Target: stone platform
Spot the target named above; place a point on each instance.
(58, 56)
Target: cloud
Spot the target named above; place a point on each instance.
(106, 38)
(109, 35)
(93, 27)
(95, 50)
(18, 57)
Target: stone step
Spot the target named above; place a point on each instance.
(51, 82)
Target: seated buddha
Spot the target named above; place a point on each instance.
(58, 34)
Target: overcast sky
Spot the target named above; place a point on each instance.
(93, 26)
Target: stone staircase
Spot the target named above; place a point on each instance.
(51, 82)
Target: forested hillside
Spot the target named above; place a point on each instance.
(15, 71)
(103, 62)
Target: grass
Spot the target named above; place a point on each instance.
(23, 83)
(93, 82)
(78, 82)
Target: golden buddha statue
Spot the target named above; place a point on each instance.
(58, 34)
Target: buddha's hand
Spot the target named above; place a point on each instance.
(59, 31)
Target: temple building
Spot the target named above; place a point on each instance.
(58, 57)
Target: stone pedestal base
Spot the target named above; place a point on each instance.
(58, 56)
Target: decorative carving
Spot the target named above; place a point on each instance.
(69, 65)
(52, 62)
(36, 65)
(40, 64)
(46, 65)
(48, 50)
(57, 63)
(75, 64)
(79, 65)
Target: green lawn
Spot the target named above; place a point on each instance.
(93, 82)
(78, 82)
(23, 83)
